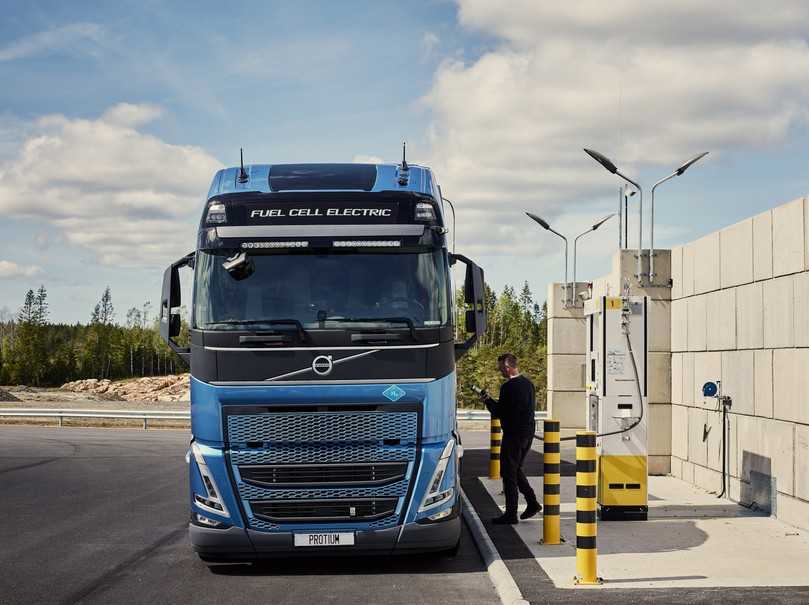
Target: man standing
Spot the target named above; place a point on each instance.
(515, 409)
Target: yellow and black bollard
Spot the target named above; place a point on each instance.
(494, 456)
(586, 474)
(551, 493)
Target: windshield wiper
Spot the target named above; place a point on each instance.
(392, 320)
(250, 322)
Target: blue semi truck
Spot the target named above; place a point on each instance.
(322, 353)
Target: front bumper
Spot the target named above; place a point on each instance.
(237, 544)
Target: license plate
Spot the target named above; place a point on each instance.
(325, 539)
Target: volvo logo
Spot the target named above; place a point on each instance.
(322, 365)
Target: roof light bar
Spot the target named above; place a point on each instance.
(367, 243)
(296, 244)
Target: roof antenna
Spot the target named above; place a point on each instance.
(243, 177)
(404, 169)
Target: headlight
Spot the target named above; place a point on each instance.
(434, 497)
(212, 500)
(216, 214)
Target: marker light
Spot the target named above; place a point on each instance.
(275, 244)
(367, 243)
(425, 212)
(435, 497)
(216, 214)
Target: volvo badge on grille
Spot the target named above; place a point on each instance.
(322, 365)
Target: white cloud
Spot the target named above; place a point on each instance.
(647, 83)
(57, 38)
(9, 269)
(130, 197)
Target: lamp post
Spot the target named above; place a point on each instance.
(611, 168)
(544, 224)
(569, 300)
(627, 192)
(576, 241)
(677, 172)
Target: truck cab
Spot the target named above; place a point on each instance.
(322, 354)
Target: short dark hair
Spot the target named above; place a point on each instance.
(510, 359)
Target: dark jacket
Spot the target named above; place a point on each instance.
(515, 408)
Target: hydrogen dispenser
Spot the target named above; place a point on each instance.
(617, 402)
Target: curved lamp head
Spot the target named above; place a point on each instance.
(688, 164)
(602, 221)
(538, 219)
(602, 159)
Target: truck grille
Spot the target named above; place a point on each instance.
(296, 466)
(316, 475)
(303, 511)
(306, 427)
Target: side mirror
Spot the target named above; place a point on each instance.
(174, 325)
(474, 290)
(470, 321)
(170, 300)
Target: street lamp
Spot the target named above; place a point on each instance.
(569, 300)
(624, 193)
(611, 168)
(542, 223)
(575, 241)
(677, 172)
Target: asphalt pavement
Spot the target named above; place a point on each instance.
(99, 516)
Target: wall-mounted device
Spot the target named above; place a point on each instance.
(617, 401)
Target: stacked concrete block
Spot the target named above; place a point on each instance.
(567, 345)
(740, 314)
(788, 238)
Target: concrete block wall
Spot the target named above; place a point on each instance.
(740, 314)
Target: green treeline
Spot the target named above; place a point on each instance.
(35, 352)
(516, 324)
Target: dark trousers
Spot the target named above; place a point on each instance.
(512, 455)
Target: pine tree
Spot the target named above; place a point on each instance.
(41, 307)
(104, 312)
(27, 312)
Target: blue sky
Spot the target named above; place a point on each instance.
(117, 115)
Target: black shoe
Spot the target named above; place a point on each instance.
(505, 520)
(533, 509)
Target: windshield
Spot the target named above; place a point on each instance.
(333, 291)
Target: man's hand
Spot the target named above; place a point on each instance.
(483, 395)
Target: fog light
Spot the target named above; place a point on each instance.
(203, 520)
(442, 515)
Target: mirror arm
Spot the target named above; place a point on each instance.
(183, 352)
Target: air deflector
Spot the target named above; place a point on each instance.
(298, 177)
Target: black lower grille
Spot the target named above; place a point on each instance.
(315, 475)
(349, 509)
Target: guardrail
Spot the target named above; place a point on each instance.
(145, 415)
(61, 413)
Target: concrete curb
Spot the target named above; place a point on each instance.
(499, 574)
